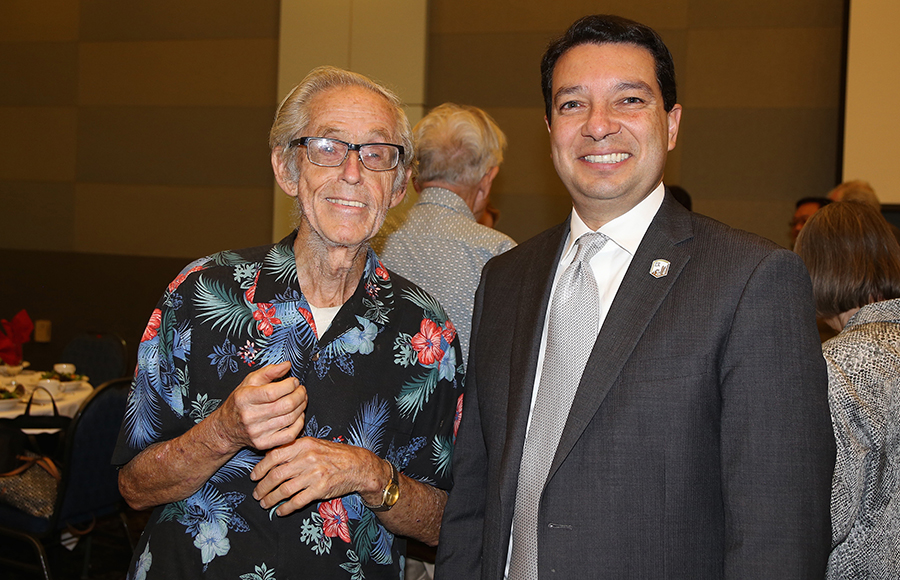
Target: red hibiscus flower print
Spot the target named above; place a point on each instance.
(152, 326)
(335, 520)
(265, 314)
(381, 271)
(427, 343)
(250, 294)
(174, 284)
(309, 318)
(449, 331)
(458, 417)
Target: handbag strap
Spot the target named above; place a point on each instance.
(27, 461)
(31, 398)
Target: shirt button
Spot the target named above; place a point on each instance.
(315, 357)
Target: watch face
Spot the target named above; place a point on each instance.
(391, 494)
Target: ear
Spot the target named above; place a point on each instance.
(547, 122)
(400, 193)
(282, 174)
(674, 118)
(484, 186)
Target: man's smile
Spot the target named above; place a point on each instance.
(608, 158)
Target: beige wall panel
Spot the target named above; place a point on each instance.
(758, 155)
(36, 216)
(478, 16)
(47, 20)
(37, 143)
(524, 215)
(175, 146)
(188, 222)
(388, 44)
(178, 73)
(486, 70)
(177, 19)
(38, 73)
(767, 218)
(762, 13)
(763, 68)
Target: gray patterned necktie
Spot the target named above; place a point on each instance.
(571, 332)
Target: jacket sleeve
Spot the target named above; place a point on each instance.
(777, 445)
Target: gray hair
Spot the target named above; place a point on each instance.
(292, 115)
(457, 144)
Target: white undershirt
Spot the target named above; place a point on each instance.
(608, 265)
(323, 317)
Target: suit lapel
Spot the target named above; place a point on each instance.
(537, 271)
(635, 304)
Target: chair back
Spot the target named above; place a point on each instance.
(99, 355)
(89, 486)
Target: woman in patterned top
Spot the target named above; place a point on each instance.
(854, 261)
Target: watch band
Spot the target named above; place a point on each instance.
(389, 495)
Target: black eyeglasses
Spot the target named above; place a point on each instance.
(326, 152)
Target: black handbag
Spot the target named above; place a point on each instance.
(44, 444)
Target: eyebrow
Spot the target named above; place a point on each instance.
(619, 87)
(371, 137)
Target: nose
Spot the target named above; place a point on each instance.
(352, 168)
(601, 122)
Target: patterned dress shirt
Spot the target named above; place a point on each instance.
(386, 375)
(864, 395)
(441, 247)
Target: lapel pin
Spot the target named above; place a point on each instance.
(659, 268)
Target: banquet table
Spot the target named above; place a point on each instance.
(67, 403)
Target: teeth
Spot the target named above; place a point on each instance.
(610, 158)
(347, 202)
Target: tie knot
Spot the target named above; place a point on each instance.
(588, 245)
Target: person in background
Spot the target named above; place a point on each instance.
(804, 209)
(854, 261)
(857, 190)
(440, 245)
(293, 411)
(646, 395)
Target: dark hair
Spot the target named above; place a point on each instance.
(603, 29)
(852, 256)
(822, 201)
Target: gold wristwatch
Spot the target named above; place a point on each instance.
(389, 495)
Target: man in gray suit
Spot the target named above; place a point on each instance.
(696, 443)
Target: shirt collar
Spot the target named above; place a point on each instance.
(446, 198)
(627, 230)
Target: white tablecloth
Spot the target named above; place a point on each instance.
(67, 403)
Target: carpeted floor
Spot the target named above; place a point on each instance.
(110, 552)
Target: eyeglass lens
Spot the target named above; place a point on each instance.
(332, 153)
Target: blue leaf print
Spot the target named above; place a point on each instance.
(415, 393)
(401, 456)
(260, 573)
(280, 262)
(225, 358)
(442, 454)
(371, 540)
(312, 429)
(242, 463)
(288, 342)
(368, 426)
(227, 312)
(142, 419)
(431, 307)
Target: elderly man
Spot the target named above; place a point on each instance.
(294, 404)
(646, 391)
(440, 245)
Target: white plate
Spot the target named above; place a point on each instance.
(69, 386)
(7, 404)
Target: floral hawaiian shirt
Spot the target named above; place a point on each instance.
(386, 375)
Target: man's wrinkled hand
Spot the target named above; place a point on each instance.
(264, 411)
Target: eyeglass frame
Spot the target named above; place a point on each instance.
(303, 141)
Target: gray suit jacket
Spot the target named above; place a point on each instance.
(699, 444)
